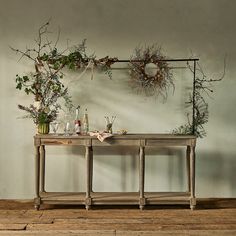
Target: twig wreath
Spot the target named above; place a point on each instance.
(157, 83)
(45, 82)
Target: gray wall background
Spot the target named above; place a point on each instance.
(204, 27)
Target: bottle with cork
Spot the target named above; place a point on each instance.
(77, 121)
(85, 122)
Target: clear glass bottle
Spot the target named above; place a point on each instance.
(85, 122)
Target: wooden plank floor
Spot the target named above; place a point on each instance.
(212, 217)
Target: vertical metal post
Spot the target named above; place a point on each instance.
(194, 94)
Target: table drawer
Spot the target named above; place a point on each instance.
(116, 142)
(64, 141)
(168, 142)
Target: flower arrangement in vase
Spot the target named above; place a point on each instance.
(44, 83)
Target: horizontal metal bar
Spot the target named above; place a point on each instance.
(178, 59)
(152, 68)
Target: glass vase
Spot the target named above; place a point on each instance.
(43, 128)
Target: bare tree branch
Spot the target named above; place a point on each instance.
(26, 53)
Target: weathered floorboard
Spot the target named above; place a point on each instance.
(12, 226)
(131, 226)
(213, 217)
(25, 220)
(60, 233)
(161, 220)
(178, 233)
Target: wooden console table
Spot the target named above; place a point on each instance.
(90, 198)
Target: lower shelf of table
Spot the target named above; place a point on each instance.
(115, 198)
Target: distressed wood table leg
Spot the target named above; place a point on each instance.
(42, 168)
(192, 178)
(188, 167)
(91, 169)
(141, 177)
(37, 180)
(88, 176)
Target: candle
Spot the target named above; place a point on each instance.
(67, 126)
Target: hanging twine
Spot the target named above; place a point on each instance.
(91, 66)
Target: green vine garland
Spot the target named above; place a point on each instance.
(45, 83)
(198, 104)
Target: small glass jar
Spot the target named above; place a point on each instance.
(43, 128)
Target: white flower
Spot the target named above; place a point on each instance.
(46, 109)
(37, 105)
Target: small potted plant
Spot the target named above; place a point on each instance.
(43, 123)
(41, 117)
(47, 91)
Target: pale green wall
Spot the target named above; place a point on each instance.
(115, 27)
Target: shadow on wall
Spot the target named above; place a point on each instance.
(216, 173)
(165, 168)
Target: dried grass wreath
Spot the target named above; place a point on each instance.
(143, 77)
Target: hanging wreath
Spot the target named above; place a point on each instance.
(151, 81)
